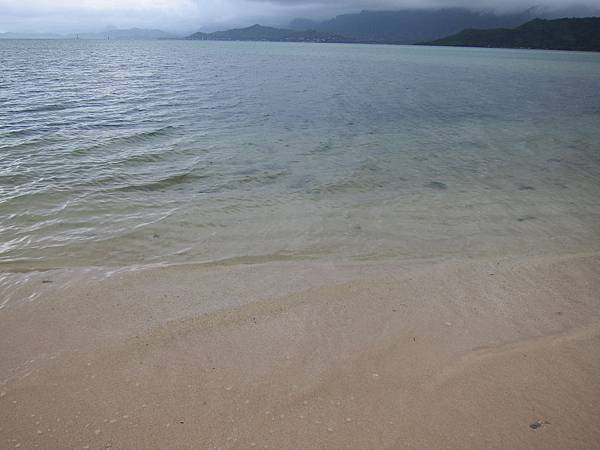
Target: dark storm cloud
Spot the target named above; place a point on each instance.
(75, 15)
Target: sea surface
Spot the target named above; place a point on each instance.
(117, 154)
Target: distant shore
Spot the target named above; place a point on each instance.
(451, 353)
(565, 34)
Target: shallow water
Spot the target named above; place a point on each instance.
(126, 153)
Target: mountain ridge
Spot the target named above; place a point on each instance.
(582, 34)
(410, 26)
(261, 33)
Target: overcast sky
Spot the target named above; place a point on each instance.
(191, 15)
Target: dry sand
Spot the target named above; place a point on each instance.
(406, 354)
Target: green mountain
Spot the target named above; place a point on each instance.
(410, 26)
(560, 34)
(260, 33)
(419, 25)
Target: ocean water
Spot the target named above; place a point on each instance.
(118, 154)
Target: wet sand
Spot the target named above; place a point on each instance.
(479, 353)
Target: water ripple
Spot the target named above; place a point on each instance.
(133, 153)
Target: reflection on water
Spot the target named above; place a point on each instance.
(122, 153)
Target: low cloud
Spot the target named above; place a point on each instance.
(186, 15)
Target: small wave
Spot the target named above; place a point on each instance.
(32, 144)
(13, 179)
(164, 183)
(142, 158)
(44, 108)
(25, 132)
(142, 137)
(260, 178)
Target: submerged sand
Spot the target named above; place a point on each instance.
(481, 353)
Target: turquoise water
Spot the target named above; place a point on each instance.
(125, 153)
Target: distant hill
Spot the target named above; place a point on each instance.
(30, 36)
(410, 26)
(131, 33)
(560, 34)
(260, 33)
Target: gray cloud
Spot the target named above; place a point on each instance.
(78, 15)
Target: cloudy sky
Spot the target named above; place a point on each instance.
(191, 15)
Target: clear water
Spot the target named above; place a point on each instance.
(125, 153)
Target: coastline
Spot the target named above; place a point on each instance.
(466, 353)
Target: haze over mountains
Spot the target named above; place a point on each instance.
(184, 17)
(407, 26)
(131, 33)
(410, 26)
(119, 34)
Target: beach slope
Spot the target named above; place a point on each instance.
(479, 353)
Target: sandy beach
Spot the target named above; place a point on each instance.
(480, 353)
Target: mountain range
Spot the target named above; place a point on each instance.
(13, 35)
(451, 26)
(385, 27)
(410, 26)
(560, 34)
(119, 34)
(131, 33)
(261, 33)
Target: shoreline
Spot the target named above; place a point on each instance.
(381, 354)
